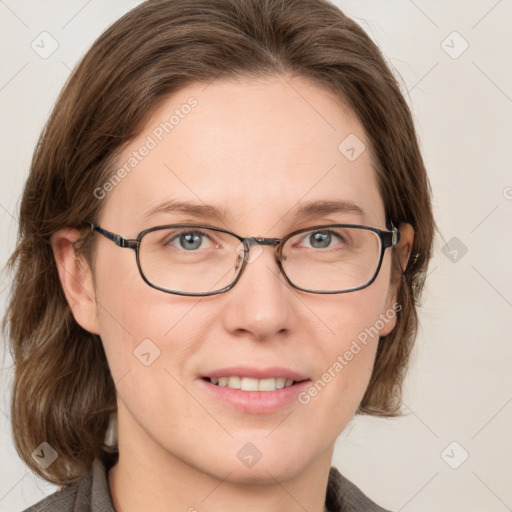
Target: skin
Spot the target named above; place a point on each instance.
(259, 148)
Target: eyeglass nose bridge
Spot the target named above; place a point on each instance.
(251, 241)
(258, 240)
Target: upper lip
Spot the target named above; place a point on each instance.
(257, 373)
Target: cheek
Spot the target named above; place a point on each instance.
(149, 321)
(344, 369)
(349, 351)
(141, 326)
(149, 341)
(347, 335)
(356, 316)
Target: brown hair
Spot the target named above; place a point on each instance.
(63, 389)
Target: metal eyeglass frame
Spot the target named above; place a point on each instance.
(387, 238)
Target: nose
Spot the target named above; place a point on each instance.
(259, 303)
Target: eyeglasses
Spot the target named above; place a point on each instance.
(197, 260)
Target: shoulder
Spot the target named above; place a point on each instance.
(343, 495)
(90, 493)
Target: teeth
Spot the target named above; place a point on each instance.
(234, 382)
(250, 384)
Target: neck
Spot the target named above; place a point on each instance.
(147, 480)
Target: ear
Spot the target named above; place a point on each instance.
(403, 253)
(76, 279)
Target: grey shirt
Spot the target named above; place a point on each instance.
(91, 493)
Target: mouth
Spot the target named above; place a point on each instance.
(252, 384)
(254, 389)
(253, 395)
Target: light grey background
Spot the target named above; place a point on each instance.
(459, 387)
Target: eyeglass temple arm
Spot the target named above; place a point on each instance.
(392, 237)
(117, 239)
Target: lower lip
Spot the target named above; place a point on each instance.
(256, 402)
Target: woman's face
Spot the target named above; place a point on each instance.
(256, 150)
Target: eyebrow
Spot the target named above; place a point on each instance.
(320, 208)
(310, 210)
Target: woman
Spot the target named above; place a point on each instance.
(214, 268)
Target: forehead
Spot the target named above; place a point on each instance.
(256, 150)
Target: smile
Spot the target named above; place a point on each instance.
(251, 384)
